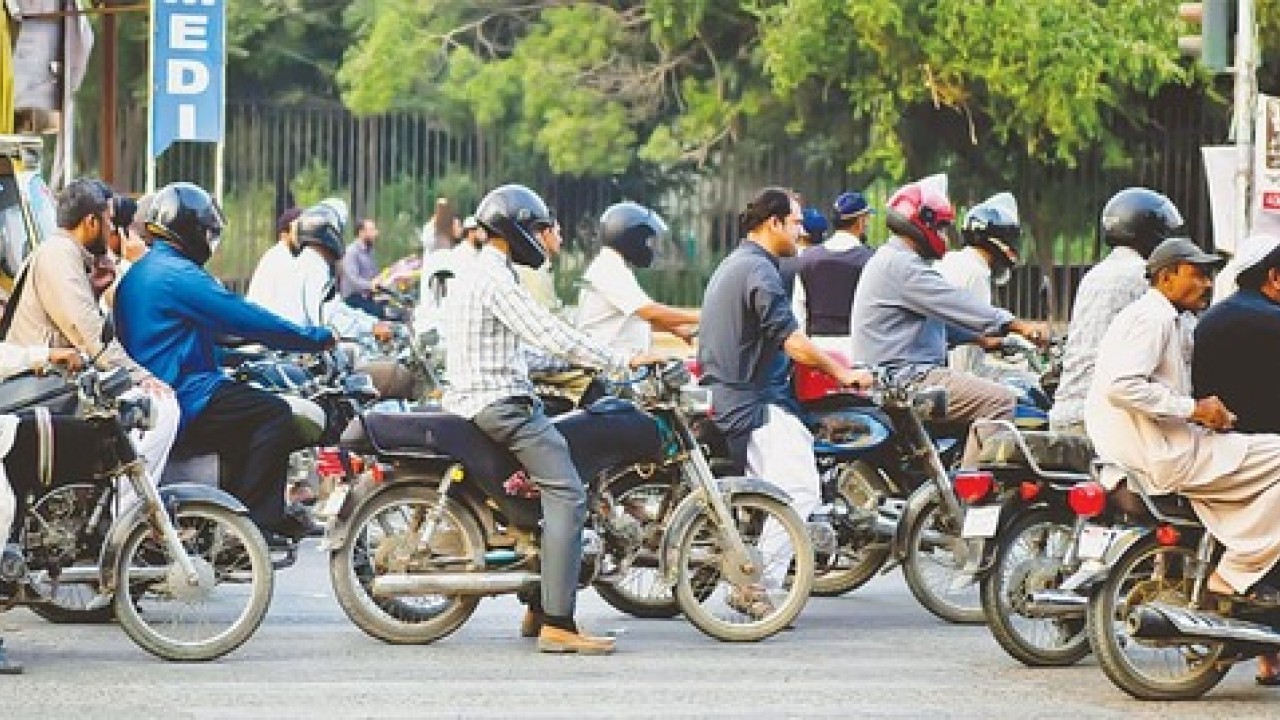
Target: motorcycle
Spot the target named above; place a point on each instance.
(1149, 617)
(183, 570)
(1019, 526)
(444, 516)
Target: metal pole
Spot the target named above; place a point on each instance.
(151, 103)
(108, 136)
(1245, 102)
(68, 106)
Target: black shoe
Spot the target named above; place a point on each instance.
(296, 524)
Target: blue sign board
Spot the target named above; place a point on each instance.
(188, 56)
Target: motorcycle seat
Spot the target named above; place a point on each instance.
(1136, 505)
(1059, 452)
(426, 433)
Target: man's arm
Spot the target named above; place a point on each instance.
(667, 318)
(537, 326)
(1132, 358)
(210, 305)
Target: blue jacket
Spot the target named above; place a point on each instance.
(168, 311)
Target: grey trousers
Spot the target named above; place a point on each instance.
(970, 398)
(520, 424)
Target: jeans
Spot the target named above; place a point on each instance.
(253, 433)
(520, 424)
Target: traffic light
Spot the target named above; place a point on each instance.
(1216, 20)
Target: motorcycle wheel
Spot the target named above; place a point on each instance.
(378, 530)
(702, 590)
(642, 591)
(1029, 559)
(61, 515)
(856, 561)
(1161, 670)
(167, 615)
(934, 557)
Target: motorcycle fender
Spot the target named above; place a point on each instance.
(1093, 572)
(178, 495)
(919, 501)
(694, 504)
(364, 491)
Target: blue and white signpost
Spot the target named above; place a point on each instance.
(188, 78)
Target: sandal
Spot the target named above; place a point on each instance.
(752, 601)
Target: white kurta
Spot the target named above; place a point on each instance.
(1137, 415)
(965, 268)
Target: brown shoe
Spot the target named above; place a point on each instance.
(555, 640)
(531, 625)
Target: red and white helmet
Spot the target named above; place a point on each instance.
(923, 212)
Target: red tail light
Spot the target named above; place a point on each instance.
(1168, 535)
(329, 462)
(973, 485)
(1087, 499)
(1028, 490)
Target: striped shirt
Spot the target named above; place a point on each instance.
(488, 316)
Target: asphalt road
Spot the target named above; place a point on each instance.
(874, 653)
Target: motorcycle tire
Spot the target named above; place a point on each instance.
(924, 551)
(1029, 559)
(1134, 579)
(231, 560)
(397, 620)
(706, 596)
(857, 561)
(642, 592)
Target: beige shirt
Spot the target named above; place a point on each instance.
(1138, 408)
(57, 308)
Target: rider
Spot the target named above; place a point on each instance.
(277, 264)
(990, 231)
(904, 310)
(1133, 222)
(53, 304)
(827, 275)
(1248, 317)
(489, 316)
(738, 352)
(1141, 416)
(170, 312)
(612, 308)
(307, 295)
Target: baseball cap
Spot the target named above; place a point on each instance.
(850, 205)
(1179, 250)
(815, 224)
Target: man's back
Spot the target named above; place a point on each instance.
(1105, 290)
(1237, 343)
(271, 276)
(830, 278)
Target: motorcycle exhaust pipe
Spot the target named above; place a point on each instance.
(1047, 604)
(476, 583)
(1147, 623)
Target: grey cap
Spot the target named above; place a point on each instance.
(1177, 251)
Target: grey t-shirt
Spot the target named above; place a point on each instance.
(903, 307)
(746, 318)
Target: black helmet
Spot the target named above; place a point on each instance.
(320, 225)
(1139, 218)
(187, 217)
(516, 214)
(993, 226)
(632, 229)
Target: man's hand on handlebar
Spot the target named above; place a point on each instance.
(383, 332)
(67, 358)
(1035, 332)
(858, 378)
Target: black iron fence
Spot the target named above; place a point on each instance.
(393, 167)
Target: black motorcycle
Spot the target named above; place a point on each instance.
(444, 516)
(183, 570)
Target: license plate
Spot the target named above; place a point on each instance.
(334, 502)
(981, 522)
(1094, 542)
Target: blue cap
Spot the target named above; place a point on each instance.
(850, 205)
(815, 223)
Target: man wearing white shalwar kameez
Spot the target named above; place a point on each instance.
(1140, 415)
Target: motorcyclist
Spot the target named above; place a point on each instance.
(276, 264)
(308, 294)
(904, 309)
(170, 312)
(1133, 222)
(53, 304)
(827, 275)
(612, 307)
(990, 231)
(488, 316)
(739, 353)
(1248, 316)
